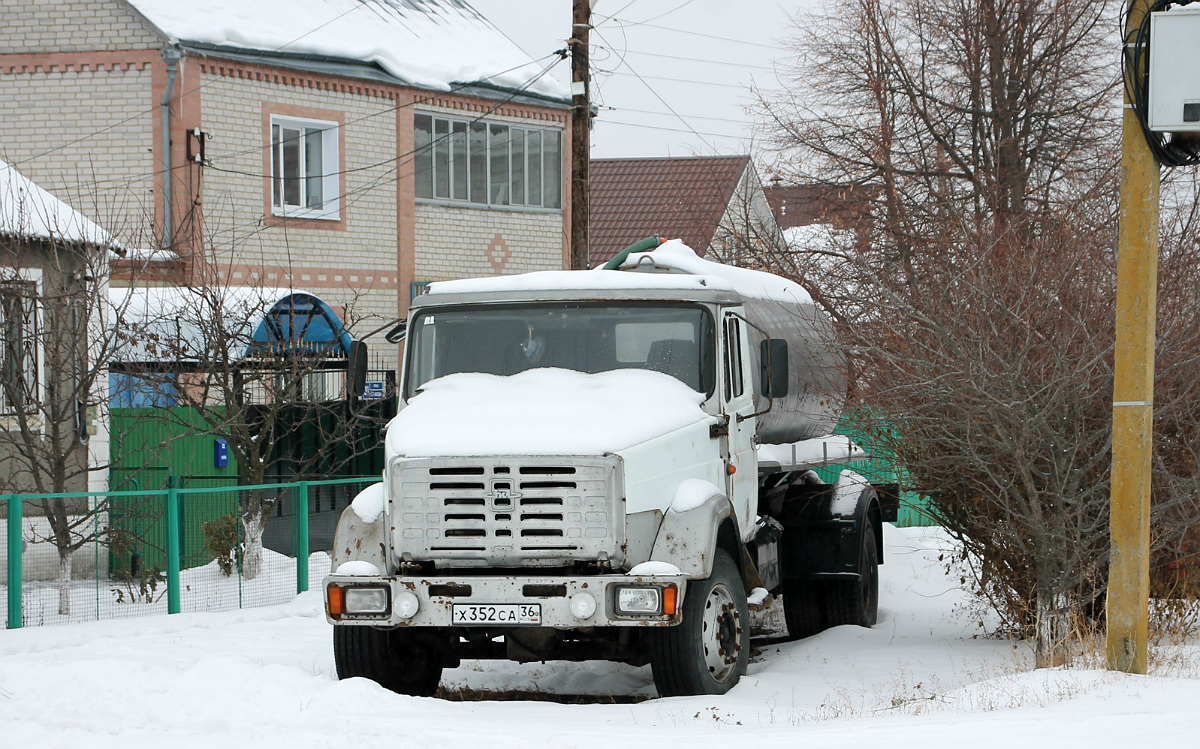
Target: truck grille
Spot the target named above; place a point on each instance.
(501, 512)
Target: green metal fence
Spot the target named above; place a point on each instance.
(180, 549)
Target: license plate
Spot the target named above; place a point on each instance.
(497, 613)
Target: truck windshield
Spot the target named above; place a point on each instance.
(585, 337)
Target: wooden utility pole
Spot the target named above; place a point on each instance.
(1133, 391)
(581, 135)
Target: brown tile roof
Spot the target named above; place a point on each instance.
(677, 197)
(843, 206)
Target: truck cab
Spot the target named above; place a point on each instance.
(577, 471)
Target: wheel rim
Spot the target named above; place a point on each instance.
(722, 635)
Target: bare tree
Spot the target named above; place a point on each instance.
(239, 367)
(53, 364)
(979, 307)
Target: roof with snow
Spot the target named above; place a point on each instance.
(27, 210)
(844, 206)
(676, 197)
(433, 44)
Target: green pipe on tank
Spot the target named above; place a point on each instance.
(642, 245)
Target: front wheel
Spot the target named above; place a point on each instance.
(709, 650)
(388, 658)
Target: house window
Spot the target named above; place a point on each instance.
(487, 163)
(304, 168)
(19, 349)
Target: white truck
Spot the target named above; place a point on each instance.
(607, 464)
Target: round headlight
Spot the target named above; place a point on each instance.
(406, 605)
(583, 605)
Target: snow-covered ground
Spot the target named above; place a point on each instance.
(264, 677)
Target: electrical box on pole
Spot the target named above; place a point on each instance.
(1175, 70)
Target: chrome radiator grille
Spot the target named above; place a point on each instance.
(507, 512)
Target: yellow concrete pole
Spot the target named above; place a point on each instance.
(1133, 395)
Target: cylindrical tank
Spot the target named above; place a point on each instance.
(776, 308)
(816, 370)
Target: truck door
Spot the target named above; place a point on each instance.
(742, 483)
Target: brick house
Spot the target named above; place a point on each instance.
(53, 427)
(354, 148)
(715, 204)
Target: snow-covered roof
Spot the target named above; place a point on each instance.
(170, 323)
(688, 272)
(427, 43)
(27, 210)
(570, 280)
(817, 237)
(752, 284)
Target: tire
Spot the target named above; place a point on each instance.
(857, 601)
(388, 658)
(709, 650)
(802, 608)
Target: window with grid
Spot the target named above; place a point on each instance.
(487, 163)
(19, 352)
(304, 168)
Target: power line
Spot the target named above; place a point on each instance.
(668, 114)
(722, 63)
(674, 130)
(657, 96)
(761, 45)
(741, 86)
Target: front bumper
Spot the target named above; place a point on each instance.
(436, 606)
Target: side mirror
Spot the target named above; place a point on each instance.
(356, 370)
(396, 334)
(773, 360)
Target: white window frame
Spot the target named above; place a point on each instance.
(491, 198)
(330, 209)
(26, 276)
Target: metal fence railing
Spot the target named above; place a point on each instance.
(67, 558)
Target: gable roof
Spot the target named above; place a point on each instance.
(677, 197)
(27, 210)
(431, 44)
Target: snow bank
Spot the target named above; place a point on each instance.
(368, 504)
(753, 284)
(428, 44)
(691, 493)
(541, 412)
(27, 210)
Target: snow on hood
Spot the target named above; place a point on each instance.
(428, 43)
(541, 412)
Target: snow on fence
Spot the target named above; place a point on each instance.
(182, 549)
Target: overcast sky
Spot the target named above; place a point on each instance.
(672, 77)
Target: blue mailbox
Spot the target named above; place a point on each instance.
(220, 453)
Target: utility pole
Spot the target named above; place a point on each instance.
(1133, 390)
(581, 133)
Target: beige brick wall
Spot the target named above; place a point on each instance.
(85, 136)
(354, 266)
(41, 26)
(459, 242)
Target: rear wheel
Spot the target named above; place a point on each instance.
(709, 650)
(802, 608)
(387, 657)
(857, 601)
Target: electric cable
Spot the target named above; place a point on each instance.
(1169, 149)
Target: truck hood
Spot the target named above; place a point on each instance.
(541, 412)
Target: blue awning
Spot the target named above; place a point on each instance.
(301, 323)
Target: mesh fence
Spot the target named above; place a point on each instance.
(109, 556)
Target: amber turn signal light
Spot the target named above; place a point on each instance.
(670, 594)
(336, 603)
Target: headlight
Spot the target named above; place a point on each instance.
(366, 600)
(639, 601)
